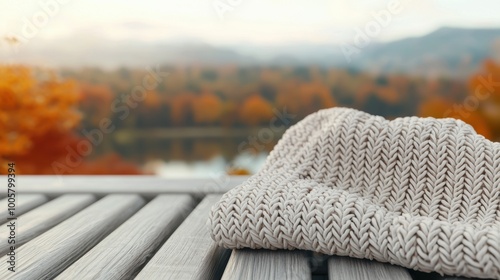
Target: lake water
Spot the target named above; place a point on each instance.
(211, 168)
(181, 157)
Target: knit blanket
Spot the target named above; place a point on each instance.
(422, 193)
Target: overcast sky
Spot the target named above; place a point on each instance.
(247, 21)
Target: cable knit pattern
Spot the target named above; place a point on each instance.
(417, 192)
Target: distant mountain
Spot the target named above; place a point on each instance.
(446, 51)
(74, 52)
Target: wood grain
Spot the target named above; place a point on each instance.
(23, 203)
(120, 254)
(265, 264)
(42, 218)
(47, 255)
(150, 186)
(344, 268)
(189, 253)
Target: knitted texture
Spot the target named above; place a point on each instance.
(417, 192)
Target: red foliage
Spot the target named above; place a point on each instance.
(38, 118)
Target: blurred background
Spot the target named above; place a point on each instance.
(202, 88)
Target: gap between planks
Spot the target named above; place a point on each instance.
(23, 203)
(189, 253)
(120, 254)
(47, 255)
(43, 218)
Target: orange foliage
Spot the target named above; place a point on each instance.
(440, 108)
(152, 100)
(485, 89)
(480, 108)
(38, 117)
(31, 109)
(314, 97)
(485, 84)
(237, 171)
(388, 94)
(256, 110)
(305, 98)
(436, 108)
(38, 111)
(46, 149)
(478, 122)
(207, 108)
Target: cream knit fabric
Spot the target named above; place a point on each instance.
(417, 192)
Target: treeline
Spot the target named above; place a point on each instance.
(43, 113)
(39, 118)
(234, 96)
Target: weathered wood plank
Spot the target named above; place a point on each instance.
(344, 268)
(120, 254)
(103, 185)
(189, 253)
(42, 218)
(23, 204)
(265, 264)
(47, 255)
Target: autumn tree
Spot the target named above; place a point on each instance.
(255, 110)
(480, 108)
(207, 109)
(313, 97)
(484, 95)
(441, 108)
(37, 115)
(38, 121)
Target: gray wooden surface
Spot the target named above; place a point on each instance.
(43, 218)
(264, 264)
(344, 268)
(23, 203)
(144, 185)
(189, 253)
(120, 254)
(112, 238)
(47, 255)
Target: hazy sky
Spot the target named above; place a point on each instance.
(246, 21)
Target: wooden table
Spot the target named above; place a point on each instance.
(143, 227)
